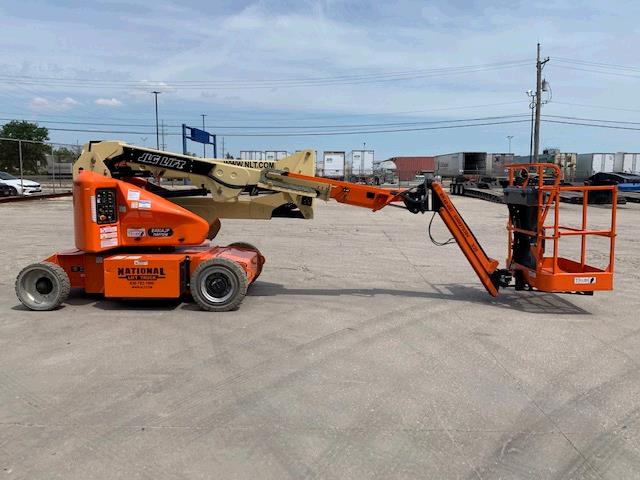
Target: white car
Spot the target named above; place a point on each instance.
(20, 187)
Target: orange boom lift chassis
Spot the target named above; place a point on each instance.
(132, 242)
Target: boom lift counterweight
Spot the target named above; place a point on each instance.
(137, 239)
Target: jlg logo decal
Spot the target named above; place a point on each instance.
(162, 161)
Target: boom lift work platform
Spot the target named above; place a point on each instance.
(135, 238)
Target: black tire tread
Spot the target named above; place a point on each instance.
(59, 274)
(244, 245)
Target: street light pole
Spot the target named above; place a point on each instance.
(156, 93)
(509, 137)
(204, 145)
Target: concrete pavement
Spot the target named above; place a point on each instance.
(363, 351)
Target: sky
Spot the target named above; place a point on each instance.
(267, 74)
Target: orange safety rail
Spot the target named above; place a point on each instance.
(554, 273)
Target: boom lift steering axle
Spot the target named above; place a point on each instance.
(137, 239)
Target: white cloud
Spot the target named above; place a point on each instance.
(108, 102)
(41, 104)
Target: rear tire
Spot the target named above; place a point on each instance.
(42, 286)
(218, 285)
(13, 192)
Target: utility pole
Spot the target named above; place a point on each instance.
(509, 137)
(223, 147)
(536, 133)
(532, 107)
(164, 146)
(156, 93)
(204, 145)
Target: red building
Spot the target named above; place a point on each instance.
(409, 167)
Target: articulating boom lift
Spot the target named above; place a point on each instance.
(137, 239)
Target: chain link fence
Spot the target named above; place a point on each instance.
(35, 168)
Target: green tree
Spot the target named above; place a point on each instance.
(33, 154)
(66, 154)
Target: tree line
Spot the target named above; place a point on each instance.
(34, 159)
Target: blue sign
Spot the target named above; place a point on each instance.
(199, 136)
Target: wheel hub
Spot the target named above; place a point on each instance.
(44, 286)
(217, 285)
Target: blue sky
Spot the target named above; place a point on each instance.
(326, 65)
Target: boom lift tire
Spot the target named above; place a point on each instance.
(218, 285)
(248, 246)
(42, 286)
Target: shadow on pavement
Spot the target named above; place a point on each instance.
(523, 301)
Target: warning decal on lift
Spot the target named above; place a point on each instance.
(584, 280)
(133, 194)
(109, 236)
(92, 202)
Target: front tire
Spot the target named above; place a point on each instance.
(42, 286)
(218, 285)
(248, 246)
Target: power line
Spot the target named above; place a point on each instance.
(301, 134)
(592, 119)
(410, 126)
(597, 106)
(360, 132)
(269, 127)
(251, 115)
(256, 84)
(596, 64)
(590, 70)
(267, 82)
(615, 127)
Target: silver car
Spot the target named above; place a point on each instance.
(20, 187)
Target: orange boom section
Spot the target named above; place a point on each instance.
(376, 198)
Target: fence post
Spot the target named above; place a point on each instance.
(21, 176)
(53, 170)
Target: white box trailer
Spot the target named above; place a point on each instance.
(588, 164)
(251, 155)
(274, 155)
(495, 164)
(332, 165)
(362, 162)
(629, 162)
(461, 163)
